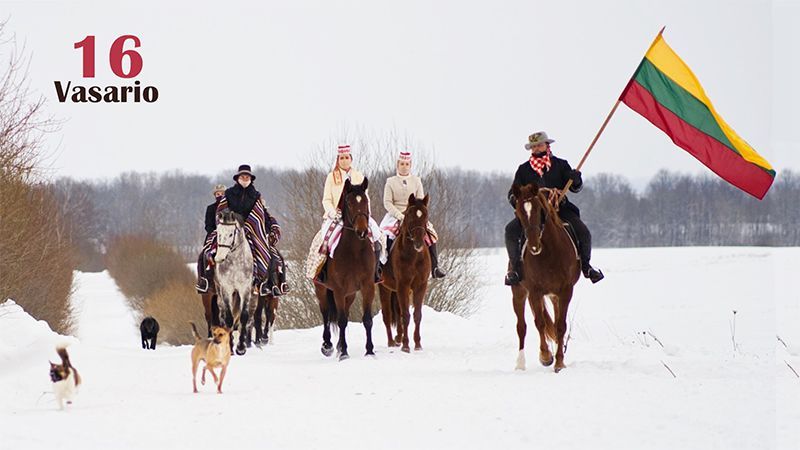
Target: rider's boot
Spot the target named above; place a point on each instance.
(436, 271)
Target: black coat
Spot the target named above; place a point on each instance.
(211, 217)
(555, 178)
(241, 200)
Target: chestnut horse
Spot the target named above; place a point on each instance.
(550, 268)
(405, 273)
(351, 269)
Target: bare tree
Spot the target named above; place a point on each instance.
(35, 254)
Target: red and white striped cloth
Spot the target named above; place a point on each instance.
(344, 149)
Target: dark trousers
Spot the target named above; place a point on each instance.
(515, 237)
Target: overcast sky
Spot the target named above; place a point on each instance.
(266, 82)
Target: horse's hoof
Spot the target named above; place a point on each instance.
(559, 366)
(546, 362)
(406, 349)
(241, 350)
(417, 348)
(327, 351)
(343, 356)
(369, 353)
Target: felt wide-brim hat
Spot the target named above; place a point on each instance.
(244, 169)
(540, 137)
(219, 188)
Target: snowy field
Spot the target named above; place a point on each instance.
(460, 392)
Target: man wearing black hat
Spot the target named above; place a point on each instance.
(548, 171)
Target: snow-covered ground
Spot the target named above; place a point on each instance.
(462, 391)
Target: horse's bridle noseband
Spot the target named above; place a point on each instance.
(352, 219)
(233, 244)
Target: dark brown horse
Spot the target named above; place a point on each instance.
(550, 269)
(351, 269)
(265, 309)
(405, 273)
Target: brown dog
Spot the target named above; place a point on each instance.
(215, 351)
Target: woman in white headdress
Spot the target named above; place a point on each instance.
(395, 199)
(334, 186)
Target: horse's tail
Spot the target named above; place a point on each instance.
(333, 315)
(395, 310)
(549, 325)
(194, 332)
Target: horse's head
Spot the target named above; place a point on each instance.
(531, 209)
(229, 234)
(415, 221)
(356, 208)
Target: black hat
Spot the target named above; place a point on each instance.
(244, 169)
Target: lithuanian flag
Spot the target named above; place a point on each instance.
(665, 91)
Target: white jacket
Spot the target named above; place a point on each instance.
(396, 192)
(332, 193)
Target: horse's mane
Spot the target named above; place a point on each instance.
(233, 215)
(552, 212)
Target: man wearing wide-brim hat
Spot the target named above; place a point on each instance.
(204, 276)
(548, 171)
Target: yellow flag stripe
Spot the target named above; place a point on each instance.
(671, 65)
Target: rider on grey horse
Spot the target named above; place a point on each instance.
(242, 198)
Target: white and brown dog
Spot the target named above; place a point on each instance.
(65, 379)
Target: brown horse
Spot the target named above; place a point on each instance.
(405, 273)
(265, 309)
(550, 268)
(352, 269)
(210, 307)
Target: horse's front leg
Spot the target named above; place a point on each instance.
(544, 324)
(403, 294)
(519, 295)
(367, 297)
(419, 297)
(257, 323)
(341, 312)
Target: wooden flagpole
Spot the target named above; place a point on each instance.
(605, 122)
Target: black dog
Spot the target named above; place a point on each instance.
(149, 329)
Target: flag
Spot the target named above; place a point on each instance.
(665, 91)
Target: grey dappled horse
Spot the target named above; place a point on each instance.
(233, 275)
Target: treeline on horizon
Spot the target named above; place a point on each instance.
(673, 210)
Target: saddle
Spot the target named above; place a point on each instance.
(572, 237)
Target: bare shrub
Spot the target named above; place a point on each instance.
(173, 306)
(142, 266)
(35, 258)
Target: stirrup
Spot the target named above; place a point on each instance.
(264, 289)
(285, 288)
(201, 285)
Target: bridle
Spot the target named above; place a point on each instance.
(233, 244)
(544, 213)
(352, 219)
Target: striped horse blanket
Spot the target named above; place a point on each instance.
(257, 227)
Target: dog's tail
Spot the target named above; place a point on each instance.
(194, 332)
(62, 352)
